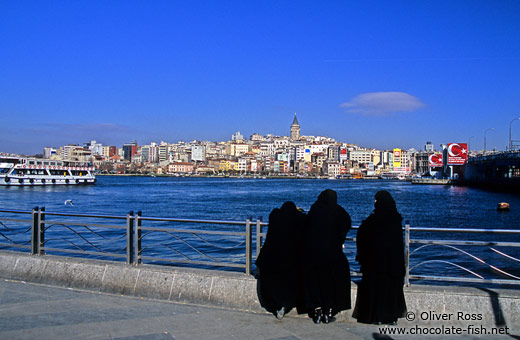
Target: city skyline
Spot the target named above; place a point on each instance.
(376, 74)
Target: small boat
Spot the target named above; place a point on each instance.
(503, 206)
(19, 171)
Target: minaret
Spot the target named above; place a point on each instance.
(295, 129)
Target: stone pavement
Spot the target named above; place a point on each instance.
(33, 311)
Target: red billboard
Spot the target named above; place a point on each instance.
(457, 153)
(435, 160)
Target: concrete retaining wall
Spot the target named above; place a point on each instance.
(428, 305)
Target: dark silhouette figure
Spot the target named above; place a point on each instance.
(325, 267)
(279, 281)
(380, 252)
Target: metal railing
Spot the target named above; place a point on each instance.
(414, 260)
(134, 238)
(229, 244)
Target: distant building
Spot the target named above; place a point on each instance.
(95, 147)
(198, 153)
(295, 129)
(429, 147)
(109, 151)
(256, 137)
(49, 152)
(361, 156)
(129, 150)
(180, 168)
(237, 136)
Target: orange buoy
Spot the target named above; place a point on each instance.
(503, 206)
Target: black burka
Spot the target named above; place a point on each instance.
(380, 253)
(279, 279)
(325, 267)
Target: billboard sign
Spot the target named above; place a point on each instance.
(397, 158)
(457, 153)
(435, 160)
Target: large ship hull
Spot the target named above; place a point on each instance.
(45, 180)
(36, 172)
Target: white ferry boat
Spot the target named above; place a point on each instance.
(34, 171)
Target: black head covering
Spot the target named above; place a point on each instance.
(288, 206)
(328, 196)
(384, 202)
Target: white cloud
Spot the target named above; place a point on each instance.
(382, 103)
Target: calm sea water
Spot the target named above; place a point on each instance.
(238, 199)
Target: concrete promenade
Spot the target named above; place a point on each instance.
(47, 297)
(35, 311)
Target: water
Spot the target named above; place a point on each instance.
(237, 199)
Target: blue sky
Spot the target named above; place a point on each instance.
(380, 74)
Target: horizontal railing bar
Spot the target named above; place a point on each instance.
(463, 279)
(15, 220)
(158, 219)
(83, 252)
(461, 230)
(195, 231)
(206, 263)
(14, 245)
(84, 215)
(108, 226)
(466, 243)
(16, 211)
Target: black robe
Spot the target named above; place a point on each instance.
(380, 252)
(325, 267)
(278, 264)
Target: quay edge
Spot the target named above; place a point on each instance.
(497, 307)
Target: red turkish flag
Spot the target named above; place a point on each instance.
(457, 153)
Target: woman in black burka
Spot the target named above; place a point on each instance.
(325, 267)
(278, 266)
(380, 252)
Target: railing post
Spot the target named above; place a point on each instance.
(35, 231)
(41, 226)
(137, 238)
(130, 238)
(249, 252)
(258, 237)
(407, 253)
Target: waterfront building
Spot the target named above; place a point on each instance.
(129, 150)
(428, 147)
(150, 153)
(317, 148)
(376, 156)
(267, 149)
(282, 156)
(254, 166)
(163, 152)
(295, 129)
(180, 168)
(318, 159)
(237, 149)
(109, 151)
(361, 156)
(333, 152)
(419, 161)
(198, 153)
(332, 168)
(205, 169)
(76, 153)
(242, 165)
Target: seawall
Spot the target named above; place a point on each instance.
(428, 305)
